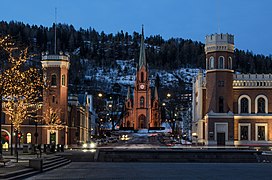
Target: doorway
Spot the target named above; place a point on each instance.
(221, 139)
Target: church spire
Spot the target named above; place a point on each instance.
(156, 95)
(128, 93)
(142, 59)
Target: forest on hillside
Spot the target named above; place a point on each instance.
(103, 49)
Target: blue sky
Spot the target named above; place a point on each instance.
(249, 20)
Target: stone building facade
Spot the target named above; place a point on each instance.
(230, 108)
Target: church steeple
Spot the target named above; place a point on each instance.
(128, 93)
(156, 96)
(142, 59)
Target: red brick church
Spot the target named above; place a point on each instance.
(142, 112)
(230, 108)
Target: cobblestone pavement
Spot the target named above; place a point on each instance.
(165, 171)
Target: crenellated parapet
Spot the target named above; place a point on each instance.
(219, 42)
(252, 81)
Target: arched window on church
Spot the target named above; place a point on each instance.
(142, 76)
(244, 105)
(221, 62)
(53, 80)
(128, 104)
(221, 104)
(261, 105)
(142, 102)
(211, 62)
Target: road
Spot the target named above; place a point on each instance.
(142, 171)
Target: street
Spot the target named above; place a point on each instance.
(94, 170)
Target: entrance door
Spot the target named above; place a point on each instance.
(53, 138)
(142, 122)
(221, 139)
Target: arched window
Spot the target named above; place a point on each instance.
(221, 104)
(211, 62)
(142, 102)
(230, 63)
(28, 138)
(53, 80)
(244, 105)
(221, 62)
(128, 104)
(63, 80)
(261, 105)
(142, 76)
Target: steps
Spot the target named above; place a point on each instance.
(49, 163)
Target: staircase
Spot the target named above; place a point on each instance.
(49, 163)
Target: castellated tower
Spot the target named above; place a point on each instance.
(219, 49)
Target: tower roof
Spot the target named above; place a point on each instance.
(142, 59)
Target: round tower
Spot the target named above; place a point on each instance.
(219, 49)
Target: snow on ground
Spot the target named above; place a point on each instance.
(125, 74)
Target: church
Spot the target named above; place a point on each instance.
(142, 111)
(230, 108)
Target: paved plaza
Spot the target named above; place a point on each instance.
(172, 171)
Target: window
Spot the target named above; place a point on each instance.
(53, 80)
(128, 104)
(221, 83)
(221, 62)
(221, 104)
(63, 80)
(28, 138)
(261, 105)
(244, 132)
(261, 133)
(142, 102)
(244, 105)
(211, 62)
(230, 63)
(142, 76)
(53, 99)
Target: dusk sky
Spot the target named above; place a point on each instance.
(249, 20)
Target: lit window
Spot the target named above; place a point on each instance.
(28, 138)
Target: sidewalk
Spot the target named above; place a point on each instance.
(13, 165)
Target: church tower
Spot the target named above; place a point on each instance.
(142, 112)
(142, 92)
(55, 70)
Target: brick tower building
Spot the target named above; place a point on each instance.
(230, 108)
(55, 69)
(142, 112)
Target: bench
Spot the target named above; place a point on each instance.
(4, 161)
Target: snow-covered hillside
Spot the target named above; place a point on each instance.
(125, 72)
